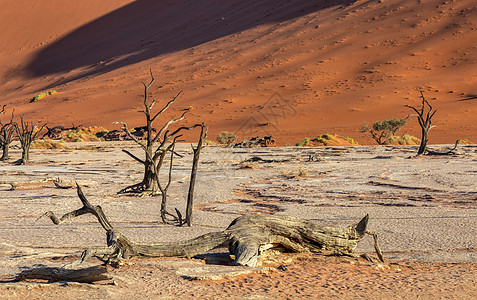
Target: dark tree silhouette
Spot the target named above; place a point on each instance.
(156, 144)
(424, 116)
(26, 132)
(6, 135)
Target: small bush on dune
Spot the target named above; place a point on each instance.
(328, 140)
(42, 95)
(85, 134)
(305, 142)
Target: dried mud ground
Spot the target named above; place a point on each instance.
(424, 210)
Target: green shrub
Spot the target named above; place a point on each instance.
(383, 132)
(305, 142)
(351, 141)
(226, 138)
(42, 95)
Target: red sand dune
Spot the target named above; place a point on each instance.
(287, 68)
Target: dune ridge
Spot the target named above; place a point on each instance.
(292, 69)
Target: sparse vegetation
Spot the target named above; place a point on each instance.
(405, 139)
(82, 134)
(248, 165)
(48, 144)
(301, 171)
(328, 140)
(384, 131)
(305, 142)
(42, 95)
(226, 138)
(209, 143)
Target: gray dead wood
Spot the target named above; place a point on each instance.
(26, 132)
(195, 163)
(425, 122)
(6, 136)
(155, 145)
(246, 237)
(53, 274)
(447, 151)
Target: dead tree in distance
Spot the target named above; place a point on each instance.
(424, 117)
(195, 162)
(26, 132)
(246, 237)
(6, 135)
(154, 155)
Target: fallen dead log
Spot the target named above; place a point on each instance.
(446, 151)
(246, 237)
(53, 274)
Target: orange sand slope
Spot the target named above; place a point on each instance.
(287, 68)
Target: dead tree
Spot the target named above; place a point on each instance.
(446, 151)
(6, 136)
(26, 132)
(54, 274)
(246, 237)
(155, 146)
(195, 162)
(164, 212)
(424, 119)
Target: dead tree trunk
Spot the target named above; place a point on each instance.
(6, 136)
(153, 154)
(246, 237)
(190, 195)
(26, 133)
(424, 119)
(87, 275)
(164, 189)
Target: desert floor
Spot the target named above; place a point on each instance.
(424, 210)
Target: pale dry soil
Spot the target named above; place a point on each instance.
(424, 210)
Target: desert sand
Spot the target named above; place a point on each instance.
(292, 69)
(423, 210)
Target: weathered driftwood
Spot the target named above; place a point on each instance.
(52, 274)
(245, 237)
(256, 142)
(446, 151)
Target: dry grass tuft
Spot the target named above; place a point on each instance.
(48, 144)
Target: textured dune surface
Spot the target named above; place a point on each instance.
(287, 68)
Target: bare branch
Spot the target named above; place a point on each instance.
(128, 133)
(165, 107)
(134, 156)
(164, 128)
(195, 163)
